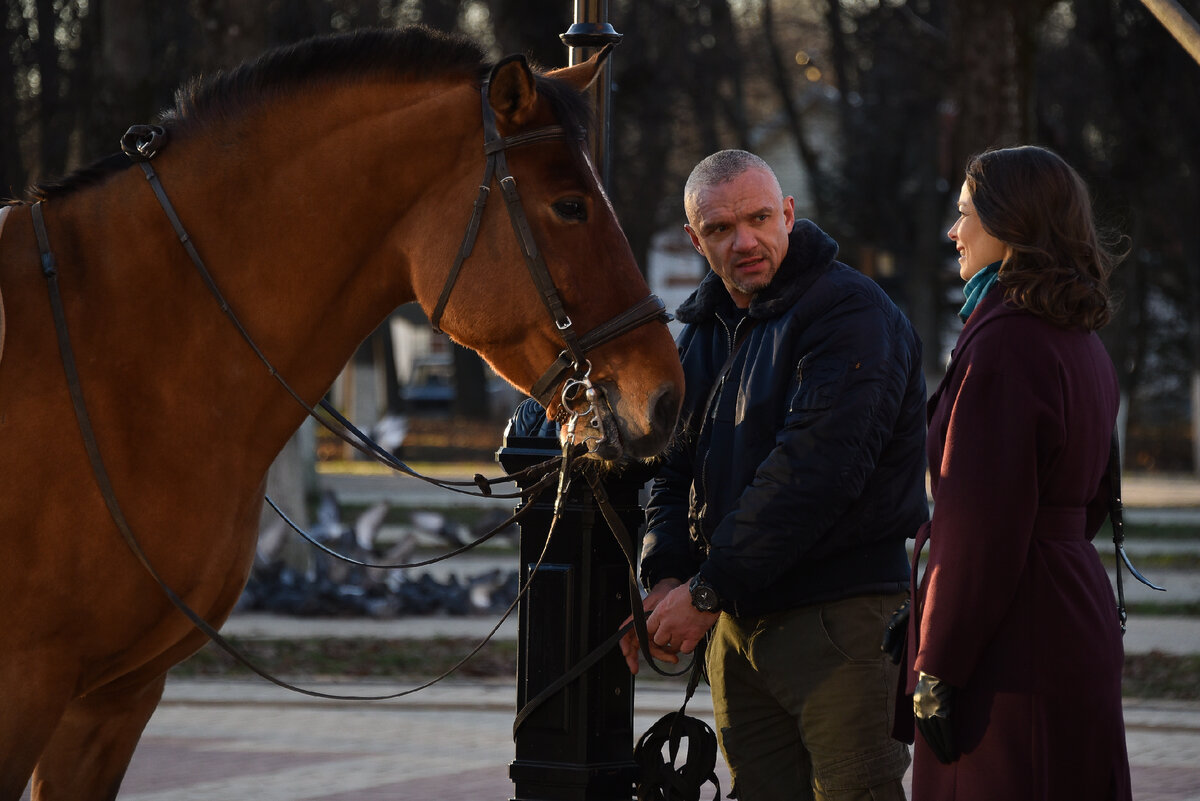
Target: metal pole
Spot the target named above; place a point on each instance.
(1177, 22)
(578, 745)
(591, 31)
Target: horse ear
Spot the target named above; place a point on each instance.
(512, 91)
(583, 75)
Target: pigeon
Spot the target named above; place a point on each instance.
(366, 527)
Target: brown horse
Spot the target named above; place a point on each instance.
(323, 185)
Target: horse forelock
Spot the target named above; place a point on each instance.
(570, 108)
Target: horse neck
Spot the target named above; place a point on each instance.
(302, 227)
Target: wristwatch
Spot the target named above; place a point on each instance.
(704, 597)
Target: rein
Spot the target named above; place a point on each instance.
(100, 473)
(142, 143)
(1116, 519)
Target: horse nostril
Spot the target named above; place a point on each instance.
(664, 410)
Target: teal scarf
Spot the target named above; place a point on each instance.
(977, 287)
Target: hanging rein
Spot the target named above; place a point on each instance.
(577, 398)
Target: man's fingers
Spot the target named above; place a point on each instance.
(663, 655)
(630, 649)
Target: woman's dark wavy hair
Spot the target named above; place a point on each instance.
(1034, 202)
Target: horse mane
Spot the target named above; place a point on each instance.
(415, 52)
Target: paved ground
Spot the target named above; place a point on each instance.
(220, 740)
(217, 741)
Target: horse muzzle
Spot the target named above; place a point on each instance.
(607, 435)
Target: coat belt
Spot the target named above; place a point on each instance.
(1060, 523)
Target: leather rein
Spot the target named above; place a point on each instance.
(578, 396)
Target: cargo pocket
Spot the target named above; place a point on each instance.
(818, 384)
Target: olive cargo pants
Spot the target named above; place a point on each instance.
(804, 701)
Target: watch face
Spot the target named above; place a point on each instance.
(704, 598)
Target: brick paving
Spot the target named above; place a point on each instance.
(221, 740)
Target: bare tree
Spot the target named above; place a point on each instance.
(781, 77)
(11, 167)
(441, 14)
(532, 27)
(920, 85)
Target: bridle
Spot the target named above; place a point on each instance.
(572, 360)
(141, 143)
(579, 397)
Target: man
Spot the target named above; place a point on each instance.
(777, 522)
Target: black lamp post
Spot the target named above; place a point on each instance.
(578, 744)
(591, 31)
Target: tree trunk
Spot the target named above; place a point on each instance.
(787, 99)
(54, 132)
(983, 54)
(122, 76)
(533, 27)
(291, 481)
(470, 385)
(12, 168)
(441, 14)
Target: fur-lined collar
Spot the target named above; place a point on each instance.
(811, 252)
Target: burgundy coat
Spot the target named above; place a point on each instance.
(1015, 608)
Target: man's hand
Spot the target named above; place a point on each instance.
(673, 625)
(895, 636)
(629, 643)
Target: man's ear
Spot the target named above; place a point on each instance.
(512, 91)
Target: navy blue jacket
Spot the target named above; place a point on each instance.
(802, 476)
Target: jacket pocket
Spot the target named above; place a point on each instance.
(818, 384)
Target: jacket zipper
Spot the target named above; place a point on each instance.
(710, 415)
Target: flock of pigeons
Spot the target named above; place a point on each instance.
(327, 586)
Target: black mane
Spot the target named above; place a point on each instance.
(416, 52)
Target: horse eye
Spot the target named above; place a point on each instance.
(573, 209)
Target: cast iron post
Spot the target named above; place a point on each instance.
(589, 33)
(578, 744)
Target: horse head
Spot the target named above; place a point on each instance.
(571, 274)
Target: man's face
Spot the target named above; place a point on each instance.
(741, 227)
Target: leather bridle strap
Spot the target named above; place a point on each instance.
(496, 166)
(104, 483)
(637, 623)
(141, 143)
(648, 309)
(573, 357)
(1116, 518)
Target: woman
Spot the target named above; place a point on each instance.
(1015, 650)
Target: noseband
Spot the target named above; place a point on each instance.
(572, 360)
